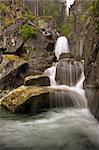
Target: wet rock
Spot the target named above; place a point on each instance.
(68, 71)
(37, 80)
(12, 71)
(92, 81)
(84, 44)
(65, 55)
(26, 99)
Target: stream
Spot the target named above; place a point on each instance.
(57, 129)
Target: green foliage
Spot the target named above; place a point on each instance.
(27, 31)
(29, 16)
(95, 8)
(67, 27)
(52, 9)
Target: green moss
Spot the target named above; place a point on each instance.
(9, 22)
(30, 16)
(27, 30)
(2, 7)
(13, 58)
(95, 8)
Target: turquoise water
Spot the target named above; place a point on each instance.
(57, 129)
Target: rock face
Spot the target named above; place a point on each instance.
(37, 50)
(37, 80)
(12, 71)
(86, 45)
(80, 12)
(10, 39)
(27, 99)
(39, 53)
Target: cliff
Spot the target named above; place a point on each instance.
(85, 45)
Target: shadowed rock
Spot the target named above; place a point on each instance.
(37, 80)
(12, 71)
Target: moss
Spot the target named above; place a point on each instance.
(21, 95)
(27, 30)
(9, 22)
(13, 58)
(29, 16)
(2, 7)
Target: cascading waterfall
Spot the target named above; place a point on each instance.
(51, 72)
(68, 72)
(61, 46)
(65, 129)
(66, 77)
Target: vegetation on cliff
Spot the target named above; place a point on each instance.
(27, 31)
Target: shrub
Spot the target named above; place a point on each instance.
(67, 27)
(29, 16)
(27, 31)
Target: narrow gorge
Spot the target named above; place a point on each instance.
(49, 75)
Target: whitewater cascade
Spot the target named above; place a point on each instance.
(68, 5)
(61, 46)
(66, 77)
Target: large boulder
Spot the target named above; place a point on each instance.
(37, 80)
(35, 99)
(12, 71)
(27, 99)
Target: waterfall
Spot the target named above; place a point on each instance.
(68, 5)
(61, 46)
(66, 78)
(51, 73)
(68, 72)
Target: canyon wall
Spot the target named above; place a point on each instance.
(85, 45)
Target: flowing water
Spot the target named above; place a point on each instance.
(67, 125)
(57, 129)
(61, 46)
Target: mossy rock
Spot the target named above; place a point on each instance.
(27, 99)
(37, 80)
(12, 70)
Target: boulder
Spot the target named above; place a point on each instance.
(37, 80)
(12, 71)
(26, 99)
(35, 99)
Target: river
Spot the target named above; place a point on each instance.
(57, 129)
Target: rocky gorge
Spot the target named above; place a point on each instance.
(27, 47)
(87, 47)
(49, 75)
